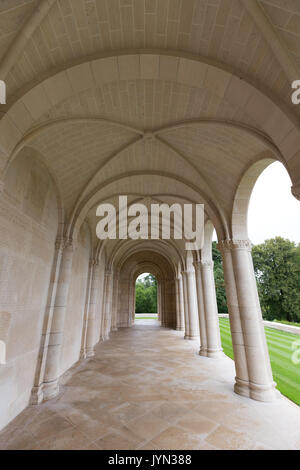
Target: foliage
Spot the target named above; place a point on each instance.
(219, 279)
(277, 269)
(146, 295)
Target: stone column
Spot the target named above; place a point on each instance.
(52, 368)
(107, 310)
(163, 313)
(91, 331)
(179, 304)
(86, 309)
(115, 302)
(159, 301)
(192, 307)
(37, 391)
(253, 370)
(201, 310)
(186, 307)
(213, 338)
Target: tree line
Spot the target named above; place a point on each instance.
(146, 295)
(277, 271)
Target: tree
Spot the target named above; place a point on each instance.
(146, 295)
(219, 279)
(277, 269)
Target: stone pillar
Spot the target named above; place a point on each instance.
(192, 307)
(86, 309)
(107, 310)
(253, 370)
(179, 305)
(186, 307)
(52, 367)
(37, 391)
(201, 310)
(115, 302)
(213, 338)
(91, 330)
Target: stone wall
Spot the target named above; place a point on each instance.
(28, 229)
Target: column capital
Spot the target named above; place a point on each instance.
(296, 190)
(187, 273)
(63, 243)
(207, 264)
(229, 245)
(94, 262)
(108, 272)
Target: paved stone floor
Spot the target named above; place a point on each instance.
(147, 388)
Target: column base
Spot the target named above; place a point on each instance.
(191, 337)
(37, 395)
(50, 390)
(90, 353)
(180, 328)
(203, 352)
(214, 353)
(264, 393)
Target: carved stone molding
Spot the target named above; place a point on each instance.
(63, 243)
(229, 245)
(207, 264)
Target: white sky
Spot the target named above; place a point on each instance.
(273, 210)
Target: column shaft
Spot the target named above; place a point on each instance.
(106, 326)
(253, 370)
(180, 305)
(193, 321)
(201, 310)
(52, 369)
(214, 348)
(91, 334)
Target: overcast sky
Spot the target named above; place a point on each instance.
(273, 210)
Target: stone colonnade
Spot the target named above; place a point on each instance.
(196, 314)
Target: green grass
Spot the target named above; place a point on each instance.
(286, 374)
(287, 322)
(145, 318)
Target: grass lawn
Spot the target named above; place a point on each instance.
(286, 374)
(145, 318)
(287, 322)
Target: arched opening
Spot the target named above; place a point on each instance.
(146, 297)
(273, 210)
(266, 213)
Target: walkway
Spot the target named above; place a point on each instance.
(147, 388)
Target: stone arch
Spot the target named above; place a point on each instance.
(193, 193)
(147, 260)
(266, 110)
(242, 198)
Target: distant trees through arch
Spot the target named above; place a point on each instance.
(146, 294)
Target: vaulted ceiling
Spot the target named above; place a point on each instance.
(134, 95)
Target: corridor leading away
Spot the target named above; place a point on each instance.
(147, 388)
